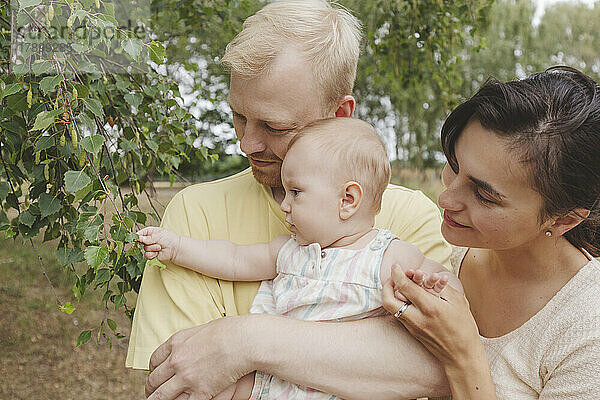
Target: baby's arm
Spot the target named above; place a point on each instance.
(423, 271)
(241, 390)
(219, 259)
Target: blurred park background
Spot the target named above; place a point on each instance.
(419, 59)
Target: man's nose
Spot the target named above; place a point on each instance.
(252, 141)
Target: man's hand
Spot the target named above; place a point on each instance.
(200, 362)
(159, 242)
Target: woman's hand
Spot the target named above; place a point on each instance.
(447, 329)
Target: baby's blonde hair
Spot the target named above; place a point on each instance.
(326, 33)
(354, 151)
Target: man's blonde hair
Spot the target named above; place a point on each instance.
(326, 33)
(354, 151)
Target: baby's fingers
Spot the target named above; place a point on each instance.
(147, 232)
(441, 284)
(153, 247)
(150, 254)
(431, 280)
(419, 277)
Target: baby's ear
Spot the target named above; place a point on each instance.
(352, 195)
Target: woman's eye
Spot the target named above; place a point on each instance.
(483, 199)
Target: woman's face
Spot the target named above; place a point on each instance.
(489, 203)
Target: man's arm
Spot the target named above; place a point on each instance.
(374, 358)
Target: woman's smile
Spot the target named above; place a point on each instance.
(450, 221)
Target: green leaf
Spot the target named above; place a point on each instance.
(102, 276)
(68, 256)
(29, 3)
(80, 194)
(10, 89)
(67, 308)
(93, 144)
(87, 3)
(4, 189)
(128, 222)
(118, 232)
(26, 218)
(83, 338)
(22, 20)
(133, 47)
(155, 263)
(119, 301)
(79, 288)
(135, 99)
(45, 119)
(50, 82)
(119, 250)
(48, 204)
(96, 255)
(122, 84)
(79, 48)
(42, 67)
(109, 8)
(111, 324)
(94, 106)
(157, 52)
(76, 180)
(43, 143)
(91, 233)
(17, 102)
(127, 145)
(87, 121)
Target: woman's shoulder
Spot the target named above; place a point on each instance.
(576, 307)
(582, 293)
(574, 328)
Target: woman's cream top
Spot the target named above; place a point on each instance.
(556, 353)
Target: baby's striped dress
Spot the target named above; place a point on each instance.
(335, 284)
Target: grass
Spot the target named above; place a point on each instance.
(429, 181)
(39, 358)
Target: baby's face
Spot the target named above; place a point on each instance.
(312, 197)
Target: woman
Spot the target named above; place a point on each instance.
(522, 200)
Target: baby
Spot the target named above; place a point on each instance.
(332, 268)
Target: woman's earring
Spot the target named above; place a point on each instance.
(549, 233)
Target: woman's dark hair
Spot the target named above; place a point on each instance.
(553, 120)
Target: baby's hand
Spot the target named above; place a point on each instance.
(432, 283)
(159, 242)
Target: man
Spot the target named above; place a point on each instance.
(294, 62)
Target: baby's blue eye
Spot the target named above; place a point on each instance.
(295, 192)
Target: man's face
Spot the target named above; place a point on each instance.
(269, 110)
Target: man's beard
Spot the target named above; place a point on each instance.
(271, 180)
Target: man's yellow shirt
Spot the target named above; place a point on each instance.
(241, 210)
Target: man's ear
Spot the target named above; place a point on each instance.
(565, 223)
(345, 107)
(352, 194)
